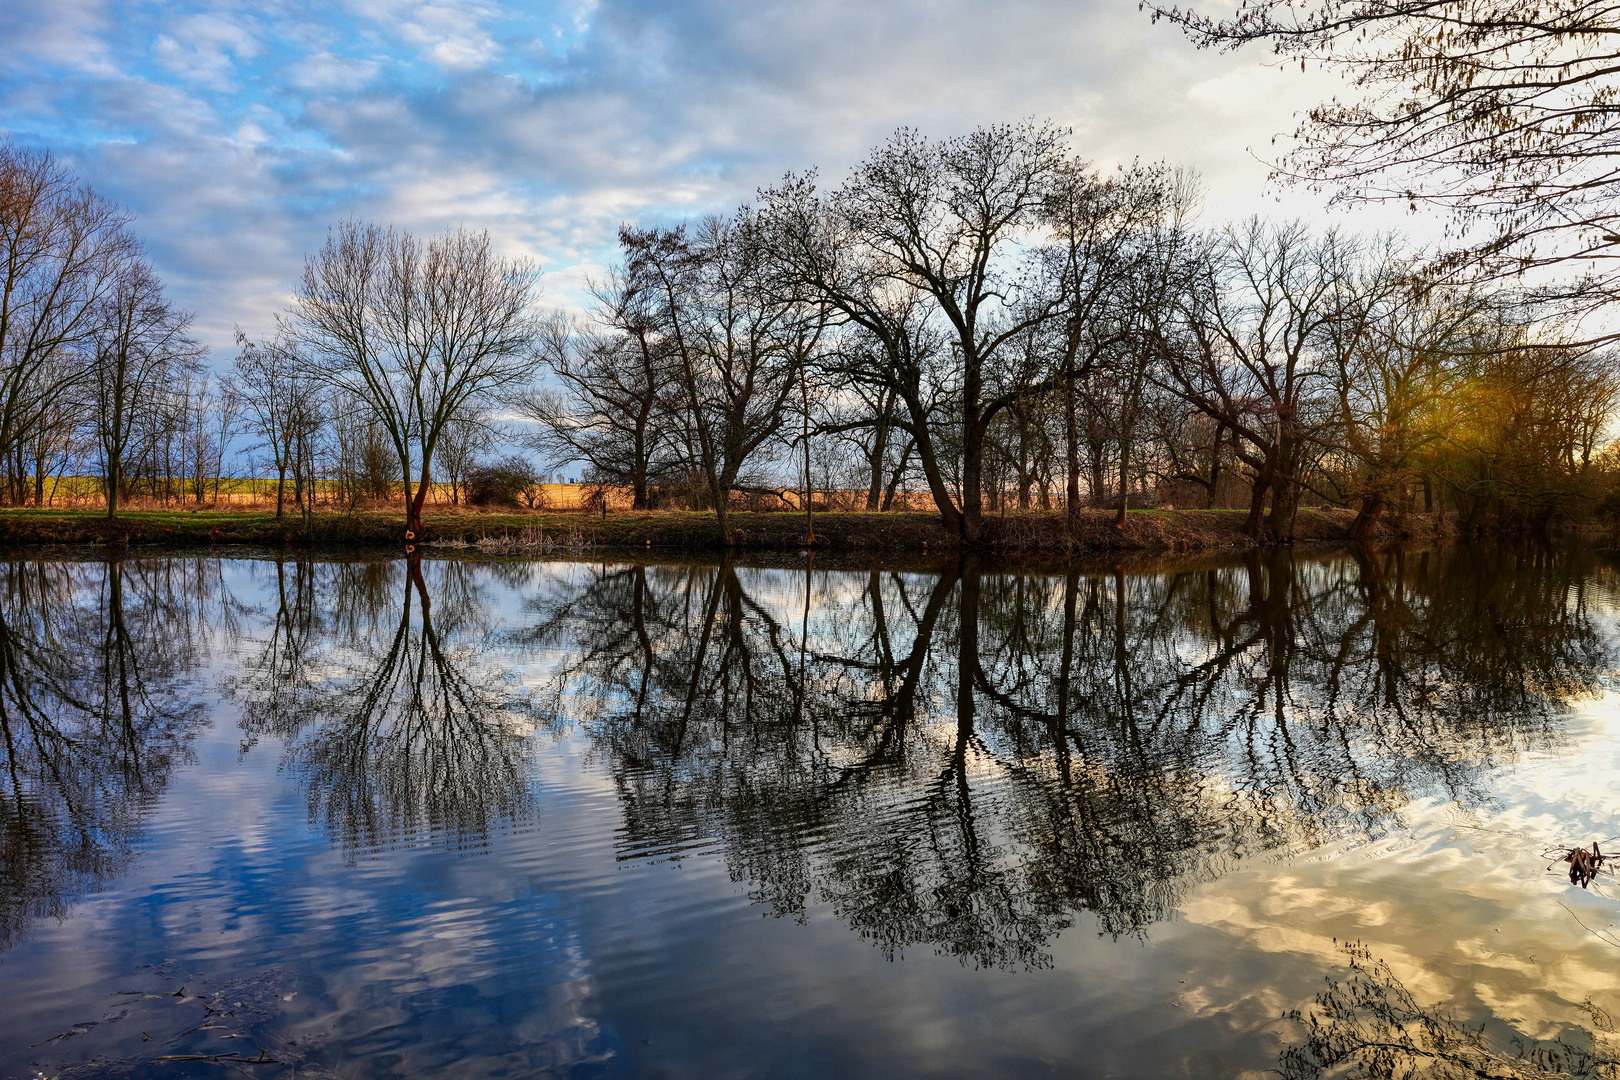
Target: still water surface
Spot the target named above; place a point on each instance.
(1282, 814)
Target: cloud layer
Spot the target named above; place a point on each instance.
(238, 131)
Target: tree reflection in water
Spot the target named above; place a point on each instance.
(963, 759)
(96, 711)
(958, 757)
(371, 681)
(1368, 1026)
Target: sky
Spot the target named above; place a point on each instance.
(238, 132)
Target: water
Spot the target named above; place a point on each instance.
(1209, 817)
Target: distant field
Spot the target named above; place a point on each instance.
(257, 493)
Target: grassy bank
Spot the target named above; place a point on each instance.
(1145, 531)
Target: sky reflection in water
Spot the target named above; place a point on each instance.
(457, 818)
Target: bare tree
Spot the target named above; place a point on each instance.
(1396, 352)
(420, 332)
(282, 404)
(611, 408)
(227, 412)
(466, 439)
(205, 413)
(1252, 354)
(889, 345)
(947, 222)
(56, 439)
(62, 248)
(739, 337)
(1500, 114)
(867, 419)
(1106, 249)
(1521, 417)
(141, 346)
(358, 459)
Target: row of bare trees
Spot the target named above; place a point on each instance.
(99, 374)
(393, 350)
(995, 322)
(988, 321)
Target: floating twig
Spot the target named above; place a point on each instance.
(1601, 935)
(1583, 867)
(235, 1059)
(1584, 864)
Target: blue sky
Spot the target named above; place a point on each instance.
(238, 132)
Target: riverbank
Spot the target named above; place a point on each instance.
(1144, 531)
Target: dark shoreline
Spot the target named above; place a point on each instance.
(1045, 533)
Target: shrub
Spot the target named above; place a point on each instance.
(507, 482)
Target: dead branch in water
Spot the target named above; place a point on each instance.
(1584, 864)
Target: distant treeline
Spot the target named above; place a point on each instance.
(988, 322)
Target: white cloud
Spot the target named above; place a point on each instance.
(238, 132)
(324, 72)
(204, 49)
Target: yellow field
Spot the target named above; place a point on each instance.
(258, 493)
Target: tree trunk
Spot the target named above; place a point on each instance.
(1124, 481)
(638, 480)
(722, 514)
(1284, 505)
(1215, 466)
(1071, 440)
(809, 498)
(1096, 479)
(971, 523)
(638, 483)
(113, 443)
(1257, 502)
(899, 475)
(413, 513)
(1285, 489)
(1372, 507)
(638, 465)
(949, 516)
(880, 450)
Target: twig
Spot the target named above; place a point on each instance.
(1584, 865)
(76, 1029)
(1601, 935)
(1501, 832)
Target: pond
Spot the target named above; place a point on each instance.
(1285, 813)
